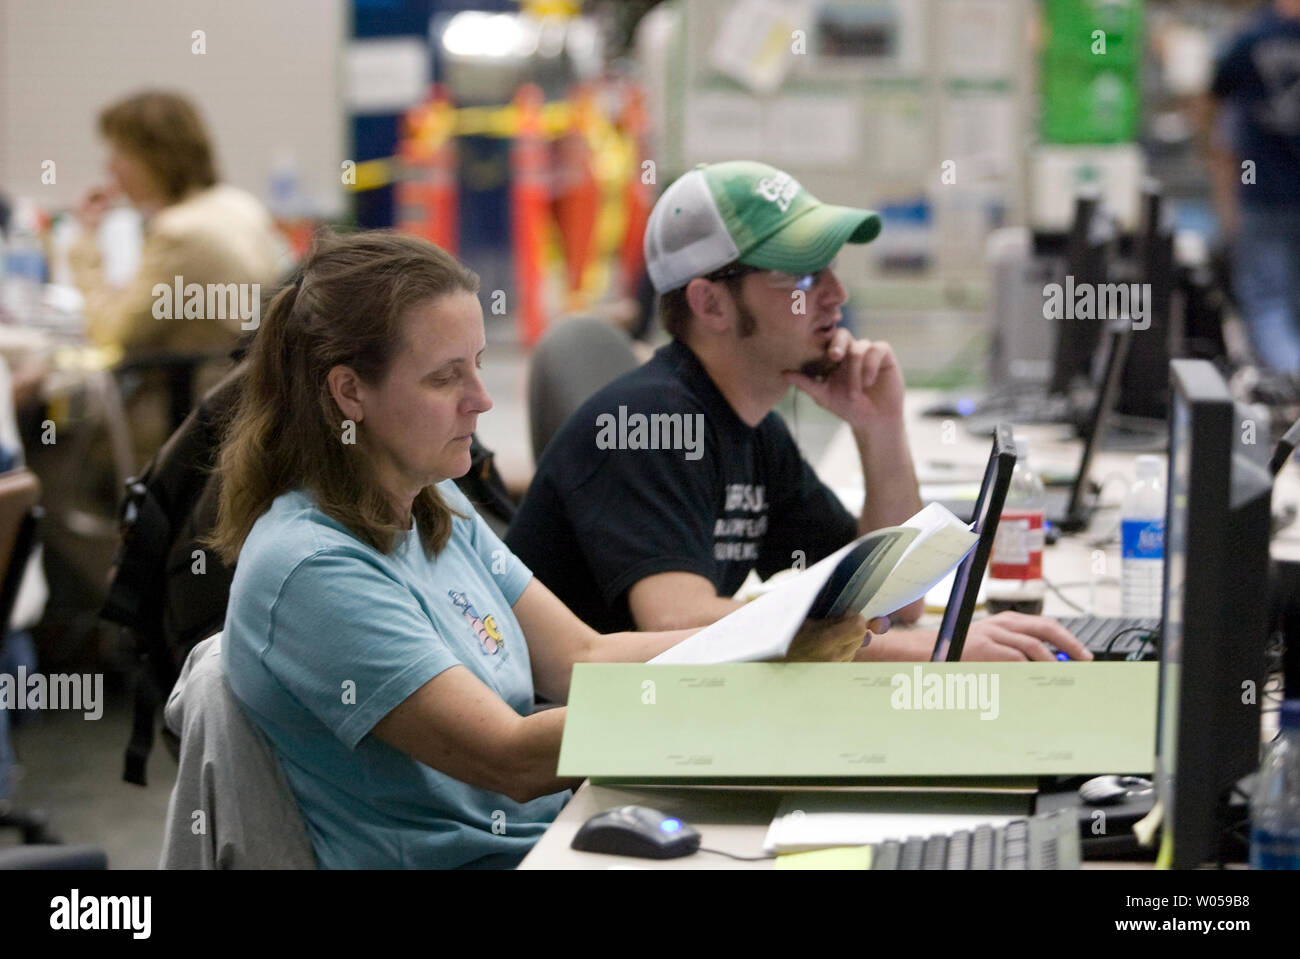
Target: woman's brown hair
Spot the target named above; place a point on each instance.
(165, 132)
(347, 307)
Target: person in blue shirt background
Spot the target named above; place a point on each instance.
(1257, 80)
(381, 636)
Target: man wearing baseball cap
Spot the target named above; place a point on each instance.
(654, 501)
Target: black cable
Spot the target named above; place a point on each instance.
(1065, 599)
(1285, 447)
(1148, 636)
(732, 855)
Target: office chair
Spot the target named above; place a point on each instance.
(53, 857)
(571, 363)
(20, 492)
(231, 806)
(180, 372)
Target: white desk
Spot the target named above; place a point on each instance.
(737, 820)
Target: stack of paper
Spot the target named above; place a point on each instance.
(823, 821)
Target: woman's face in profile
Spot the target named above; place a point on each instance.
(132, 178)
(420, 420)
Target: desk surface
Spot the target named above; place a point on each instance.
(735, 820)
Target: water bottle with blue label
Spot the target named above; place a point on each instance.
(1275, 805)
(24, 265)
(1142, 535)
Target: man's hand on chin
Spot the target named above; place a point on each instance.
(865, 388)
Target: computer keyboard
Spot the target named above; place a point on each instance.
(1116, 637)
(1046, 841)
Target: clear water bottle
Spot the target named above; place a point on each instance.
(1015, 575)
(1275, 806)
(286, 201)
(24, 265)
(1142, 535)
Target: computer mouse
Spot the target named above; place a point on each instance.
(637, 831)
(1107, 790)
(951, 408)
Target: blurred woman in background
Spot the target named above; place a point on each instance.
(160, 160)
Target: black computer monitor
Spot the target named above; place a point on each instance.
(1078, 510)
(1145, 388)
(1285, 447)
(1090, 249)
(950, 642)
(1214, 613)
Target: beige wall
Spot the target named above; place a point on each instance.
(268, 82)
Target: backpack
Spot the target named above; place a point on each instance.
(157, 593)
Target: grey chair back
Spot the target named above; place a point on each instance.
(572, 362)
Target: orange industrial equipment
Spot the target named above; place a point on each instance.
(639, 196)
(577, 194)
(528, 202)
(427, 190)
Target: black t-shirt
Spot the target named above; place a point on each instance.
(656, 473)
(1260, 72)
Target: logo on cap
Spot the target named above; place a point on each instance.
(779, 189)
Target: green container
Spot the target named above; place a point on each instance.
(1091, 97)
(1089, 106)
(1071, 27)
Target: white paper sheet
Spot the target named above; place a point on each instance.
(759, 630)
(763, 629)
(824, 820)
(933, 554)
(829, 829)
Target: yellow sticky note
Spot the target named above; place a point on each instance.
(841, 857)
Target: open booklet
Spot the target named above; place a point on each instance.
(874, 575)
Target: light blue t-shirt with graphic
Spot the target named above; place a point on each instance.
(324, 636)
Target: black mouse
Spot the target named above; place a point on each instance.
(637, 831)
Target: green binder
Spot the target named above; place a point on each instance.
(747, 722)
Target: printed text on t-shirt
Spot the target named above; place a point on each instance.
(743, 498)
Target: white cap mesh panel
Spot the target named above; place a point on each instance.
(686, 236)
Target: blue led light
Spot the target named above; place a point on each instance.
(670, 825)
(1063, 657)
(966, 406)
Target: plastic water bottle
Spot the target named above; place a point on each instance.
(1142, 535)
(286, 202)
(1015, 577)
(24, 265)
(1275, 806)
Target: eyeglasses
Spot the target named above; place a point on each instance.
(777, 279)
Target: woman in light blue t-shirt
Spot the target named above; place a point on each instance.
(378, 632)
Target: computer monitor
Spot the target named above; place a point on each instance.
(1285, 447)
(1214, 613)
(1078, 511)
(1090, 249)
(1145, 388)
(966, 584)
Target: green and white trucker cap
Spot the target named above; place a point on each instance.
(739, 210)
